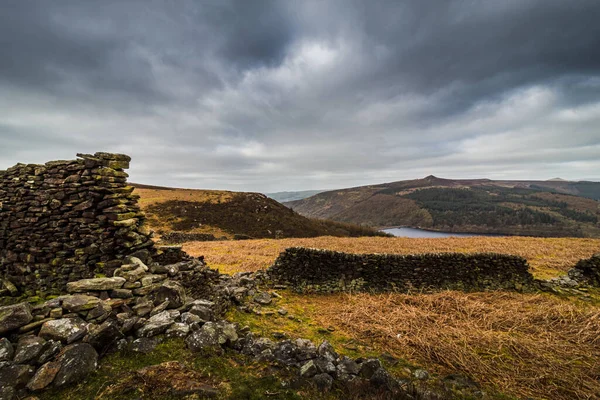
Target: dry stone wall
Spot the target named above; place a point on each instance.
(326, 271)
(66, 220)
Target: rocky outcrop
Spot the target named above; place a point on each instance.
(329, 271)
(66, 220)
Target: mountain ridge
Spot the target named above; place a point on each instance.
(512, 207)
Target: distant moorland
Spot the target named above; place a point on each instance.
(551, 208)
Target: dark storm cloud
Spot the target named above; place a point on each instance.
(275, 95)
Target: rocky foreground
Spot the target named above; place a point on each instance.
(62, 340)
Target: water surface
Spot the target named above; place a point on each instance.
(422, 233)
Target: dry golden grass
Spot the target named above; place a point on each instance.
(163, 223)
(547, 256)
(520, 344)
(152, 196)
(524, 345)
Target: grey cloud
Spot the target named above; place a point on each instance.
(277, 95)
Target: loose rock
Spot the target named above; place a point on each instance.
(76, 362)
(28, 349)
(66, 330)
(6, 350)
(14, 316)
(95, 284)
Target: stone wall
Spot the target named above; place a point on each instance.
(587, 271)
(66, 220)
(328, 271)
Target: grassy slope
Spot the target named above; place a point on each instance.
(536, 208)
(524, 345)
(224, 213)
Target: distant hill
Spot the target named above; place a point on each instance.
(232, 214)
(282, 197)
(536, 208)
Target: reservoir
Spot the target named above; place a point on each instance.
(422, 233)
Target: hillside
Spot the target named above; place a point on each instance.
(282, 197)
(535, 208)
(230, 215)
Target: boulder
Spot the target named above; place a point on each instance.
(178, 329)
(66, 330)
(381, 378)
(44, 376)
(15, 375)
(347, 366)
(309, 369)
(207, 337)
(285, 352)
(103, 336)
(143, 345)
(76, 362)
(189, 318)
(257, 346)
(143, 308)
(100, 312)
(263, 298)
(324, 365)
(146, 290)
(131, 273)
(203, 309)
(95, 284)
(368, 367)
(323, 382)
(79, 302)
(28, 349)
(170, 291)
(306, 350)
(6, 350)
(152, 279)
(50, 349)
(159, 308)
(14, 316)
(158, 324)
(327, 351)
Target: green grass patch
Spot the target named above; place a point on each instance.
(235, 376)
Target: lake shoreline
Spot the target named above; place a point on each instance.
(414, 232)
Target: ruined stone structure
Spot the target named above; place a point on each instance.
(67, 220)
(326, 271)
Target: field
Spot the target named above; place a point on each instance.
(539, 346)
(547, 257)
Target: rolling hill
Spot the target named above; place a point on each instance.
(282, 197)
(532, 208)
(228, 215)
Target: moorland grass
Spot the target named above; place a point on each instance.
(548, 257)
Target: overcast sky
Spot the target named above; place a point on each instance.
(293, 95)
